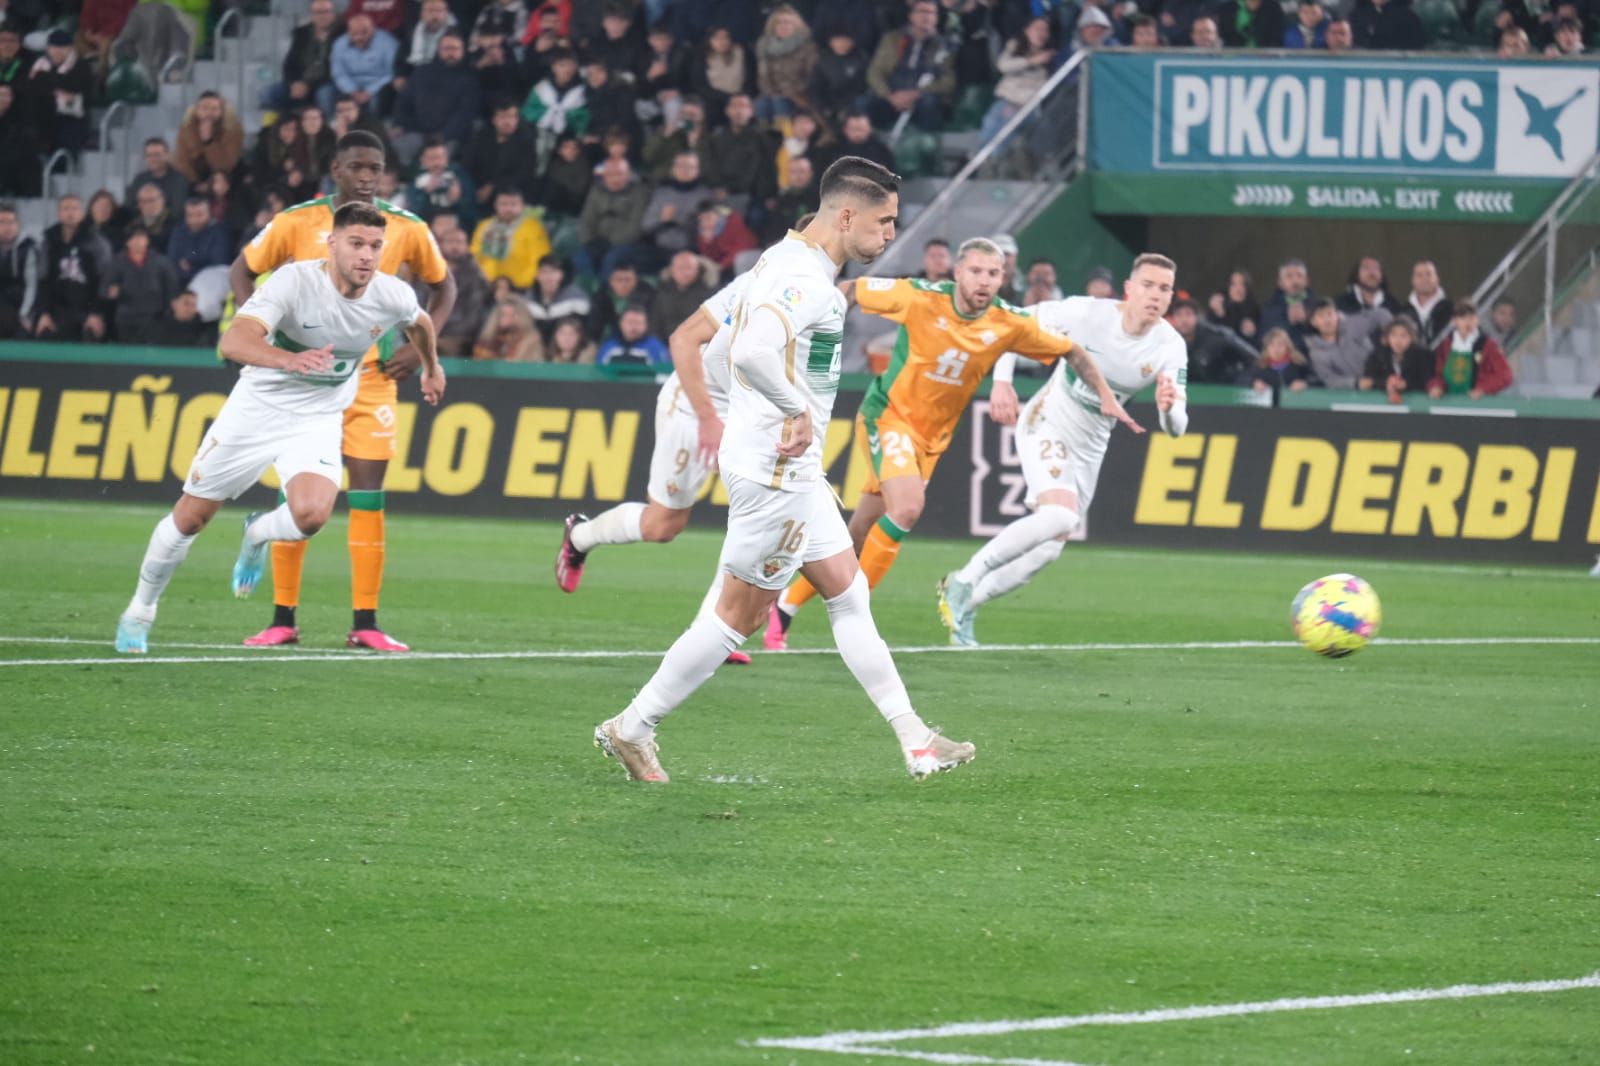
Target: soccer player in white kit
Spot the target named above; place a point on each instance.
(301, 338)
(1062, 434)
(788, 333)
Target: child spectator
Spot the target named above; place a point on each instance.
(1468, 361)
(1339, 343)
(569, 345)
(1280, 365)
(508, 334)
(1400, 364)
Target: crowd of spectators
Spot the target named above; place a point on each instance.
(1361, 336)
(600, 157)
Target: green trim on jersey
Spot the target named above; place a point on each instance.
(390, 209)
(302, 205)
(340, 373)
(823, 360)
(876, 401)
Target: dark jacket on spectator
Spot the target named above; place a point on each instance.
(647, 351)
(872, 149)
(1264, 28)
(308, 59)
(193, 333)
(565, 186)
(173, 185)
(1393, 26)
(1276, 316)
(684, 198)
(1218, 355)
(508, 164)
(741, 161)
(660, 152)
(612, 105)
(899, 62)
(674, 78)
(1436, 321)
(439, 98)
(19, 284)
(143, 292)
(1416, 365)
(473, 300)
(693, 20)
(1350, 302)
(19, 162)
(674, 305)
(569, 301)
(70, 272)
(613, 218)
(209, 247)
(838, 82)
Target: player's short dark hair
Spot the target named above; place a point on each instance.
(851, 175)
(1153, 259)
(359, 214)
(359, 139)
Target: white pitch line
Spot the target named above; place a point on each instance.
(857, 1043)
(102, 642)
(288, 656)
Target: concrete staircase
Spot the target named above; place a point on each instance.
(244, 61)
(1568, 364)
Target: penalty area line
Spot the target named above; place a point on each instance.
(871, 1043)
(332, 656)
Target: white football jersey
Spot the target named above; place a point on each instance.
(301, 309)
(719, 309)
(796, 279)
(1128, 363)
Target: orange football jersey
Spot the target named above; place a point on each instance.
(944, 354)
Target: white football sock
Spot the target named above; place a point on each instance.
(1017, 539)
(708, 606)
(275, 525)
(1016, 573)
(688, 664)
(167, 549)
(623, 524)
(867, 656)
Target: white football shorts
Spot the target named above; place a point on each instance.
(249, 436)
(772, 533)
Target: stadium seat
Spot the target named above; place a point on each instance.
(971, 105)
(916, 153)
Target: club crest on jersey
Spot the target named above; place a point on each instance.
(988, 337)
(377, 331)
(772, 567)
(672, 488)
(1145, 370)
(942, 323)
(1055, 471)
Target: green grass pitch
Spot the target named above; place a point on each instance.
(316, 856)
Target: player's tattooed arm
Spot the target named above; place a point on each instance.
(246, 343)
(420, 334)
(1088, 371)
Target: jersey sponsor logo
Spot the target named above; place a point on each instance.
(791, 296)
(950, 368)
